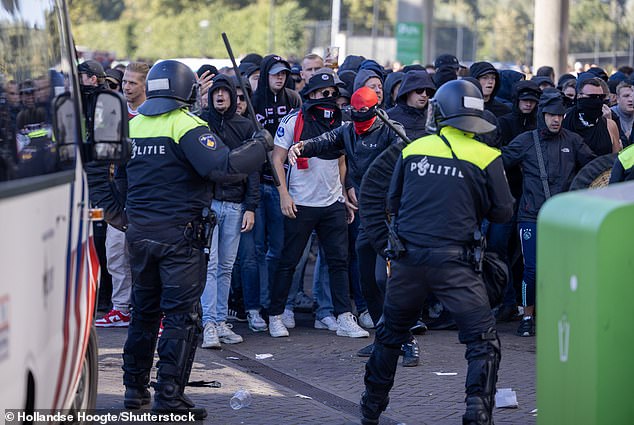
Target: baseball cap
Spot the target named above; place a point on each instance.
(447, 60)
(91, 67)
(279, 67)
(114, 76)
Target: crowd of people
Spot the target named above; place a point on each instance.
(330, 126)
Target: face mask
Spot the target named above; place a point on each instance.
(591, 108)
(362, 116)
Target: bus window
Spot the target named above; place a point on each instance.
(32, 76)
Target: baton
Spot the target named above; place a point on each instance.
(276, 178)
(383, 116)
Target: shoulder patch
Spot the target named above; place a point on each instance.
(280, 131)
(208, 141)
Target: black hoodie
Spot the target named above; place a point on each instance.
(412, 119)
(233, 130)
(564, 153)
(269, 107)
(479, 69)
(515, 123)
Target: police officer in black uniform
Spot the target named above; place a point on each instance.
(442, 188)
(174, 160)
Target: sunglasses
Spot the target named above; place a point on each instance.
(594, 96)
(113, 86)
(420, 91)
(241, 97)
(330, 93)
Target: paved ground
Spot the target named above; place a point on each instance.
(314, 377)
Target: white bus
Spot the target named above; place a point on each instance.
(48, 267)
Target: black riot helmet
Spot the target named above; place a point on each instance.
(458, 104)
(169, 85)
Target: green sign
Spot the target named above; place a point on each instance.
(409, 42)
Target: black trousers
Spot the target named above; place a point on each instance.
(332, 230)
(372, 275)
(446, 273)
(169, 275)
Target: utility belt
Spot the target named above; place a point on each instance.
(472, 253)
(201, 229)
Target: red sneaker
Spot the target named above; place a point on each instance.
(114, 319)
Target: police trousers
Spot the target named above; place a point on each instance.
(169, 272)
(448, 274)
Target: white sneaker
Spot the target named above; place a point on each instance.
(210, 336)
(348, 326)
(256, 322)
(226, 335)
(276, 326)
(328, 322)
(288, 318)
(365, 320)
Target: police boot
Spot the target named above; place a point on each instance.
(136, 391)
(176, 349)
(379, 379)
(483, 356)
(138, 356)
(411, 353)
(169, 398)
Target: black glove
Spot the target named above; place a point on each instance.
(263, 136)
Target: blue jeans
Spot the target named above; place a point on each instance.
(269, 238)
(224, 248)
(528, 238)
(298, 276)
(249, 273)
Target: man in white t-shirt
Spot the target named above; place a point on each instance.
(312, 198)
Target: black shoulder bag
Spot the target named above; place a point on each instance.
(493, 268)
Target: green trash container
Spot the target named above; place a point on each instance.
(585, 308)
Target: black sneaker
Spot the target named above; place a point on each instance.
(419, 328)
(411, 353)
(366, 351)
(236, 315)
(526, 328)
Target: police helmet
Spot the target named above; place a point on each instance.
(169, 85)
(458, 104)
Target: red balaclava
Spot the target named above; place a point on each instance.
(362, 121)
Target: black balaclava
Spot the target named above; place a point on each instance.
(590, 110)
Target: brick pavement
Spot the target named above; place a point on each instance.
(324, 367)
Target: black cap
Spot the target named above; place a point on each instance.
(27, 87)
(448, 60)
(114, 75)
(91, 67)
(552, 102)
(319, 81)
(296, 69)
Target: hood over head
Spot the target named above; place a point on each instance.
(390, 81)
(362, 76)
(223, 81)
(373, 65)
(508, 79)
(351, 63)
(269, 63)
(444, 75)
(414, 80)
